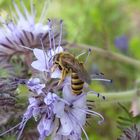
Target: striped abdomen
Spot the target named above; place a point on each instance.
(76, 83)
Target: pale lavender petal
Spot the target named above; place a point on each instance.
(50, 98)
(80, 102)
(40, 127)
(59, 109)
(40, 54)
(32, 101)
(75, 136)
(35, 80)
(67, 93)
(48, 125)
(39, 66)
(45, 126)
(43, 60)
(36, 112)
(58, 137)
(66, 125)
(80, 116)
(56, 74)
(28, 113)
(35, 85)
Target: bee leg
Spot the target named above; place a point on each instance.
(53, 68)
(64, 72)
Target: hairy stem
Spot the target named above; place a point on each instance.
(115, 96)
(109, 54)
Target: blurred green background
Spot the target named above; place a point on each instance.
(111, 28)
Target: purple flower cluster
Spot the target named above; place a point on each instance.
(24, 30)
(61, 117)
(57, 111)
(121, 43)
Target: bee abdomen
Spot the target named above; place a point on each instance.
(76, 84)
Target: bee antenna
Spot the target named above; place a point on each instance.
(89, 52)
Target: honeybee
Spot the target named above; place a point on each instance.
(67, 63)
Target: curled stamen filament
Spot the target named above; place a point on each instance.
(91, 112)
(98, 94)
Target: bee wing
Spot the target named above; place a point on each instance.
(77, 67)
(82, 73)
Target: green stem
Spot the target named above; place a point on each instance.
(109, 54)
(115, 96)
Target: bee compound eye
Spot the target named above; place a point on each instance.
(56, 62)
(60, 67)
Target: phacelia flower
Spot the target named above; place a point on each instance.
(44, 59)
(22, 31)
(122, 43)
(35, 86)
(72, 114)
(58, 112)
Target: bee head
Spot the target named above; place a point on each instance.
(56, 58)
